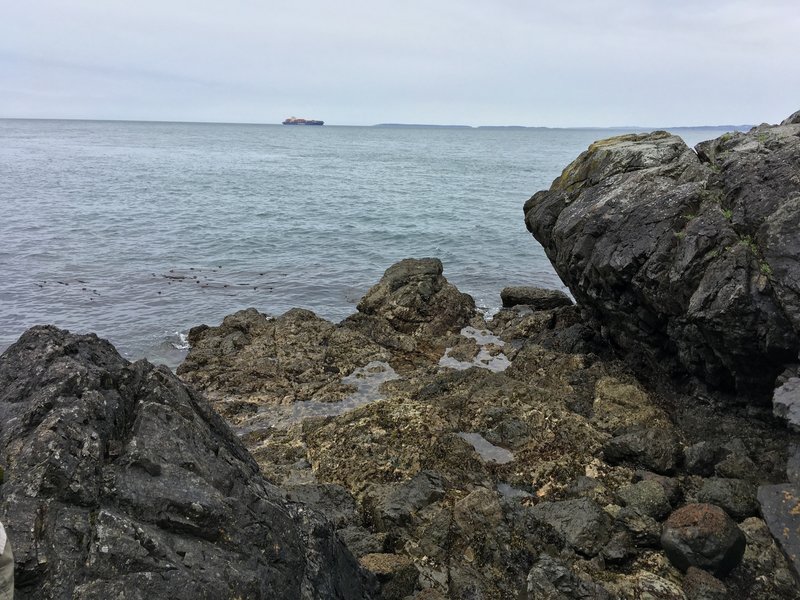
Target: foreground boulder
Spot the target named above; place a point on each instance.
(120, 482)
(685, 260)
(703, 536)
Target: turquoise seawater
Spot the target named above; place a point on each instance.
(139, 231)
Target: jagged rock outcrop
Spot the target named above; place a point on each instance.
(407, 319)
(413, 311)
(121, 482)
(685, 260)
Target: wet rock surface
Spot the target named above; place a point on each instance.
(780, 505)
(786, 402)
(483, 475)
(686, 261)
(121, 482)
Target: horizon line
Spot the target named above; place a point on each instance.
(388, 125)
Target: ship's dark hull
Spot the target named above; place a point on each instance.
(302, 122)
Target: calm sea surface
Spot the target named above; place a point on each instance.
(139, 231)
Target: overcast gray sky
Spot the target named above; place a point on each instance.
(359, 62)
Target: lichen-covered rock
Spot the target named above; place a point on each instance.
(296, 357)
(655, 449)
(647, 585)
(121, 482)
(703, 536)
(647, 496)
(447, 470)
(685, 260)
(413, 310)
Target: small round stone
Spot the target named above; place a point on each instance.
(703, 536)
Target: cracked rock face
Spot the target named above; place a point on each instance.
(120, 482)
(688, 259)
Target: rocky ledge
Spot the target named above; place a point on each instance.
(686, 260)
(510, 458)
(121, 482)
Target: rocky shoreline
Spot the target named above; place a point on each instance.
(622, 447)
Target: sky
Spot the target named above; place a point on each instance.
(569, 63)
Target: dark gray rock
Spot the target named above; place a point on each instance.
(360, 541)
(582, 523)
(700, 458)
(686, 261)
(780, 506)
(394, 506)
(654, 449)
(619, 548)
(703, 536)
(396, 575)
(738, 466)
(793, 465)
(642, 529)
(736, 496)
(123, 483)
(670, 485)
(647, 496)
(328, 499)
(550, 579)
(702, 585)
(536, 298)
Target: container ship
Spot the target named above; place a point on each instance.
(296, 121)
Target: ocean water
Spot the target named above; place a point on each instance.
(139, 231)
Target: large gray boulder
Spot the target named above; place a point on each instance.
(686, 260)
(121, 482)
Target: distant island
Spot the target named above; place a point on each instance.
(421, 126)
(616, 127)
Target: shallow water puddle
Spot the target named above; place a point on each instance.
(510, 491)
(367, 380)
(485, 359)
(486, 450)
